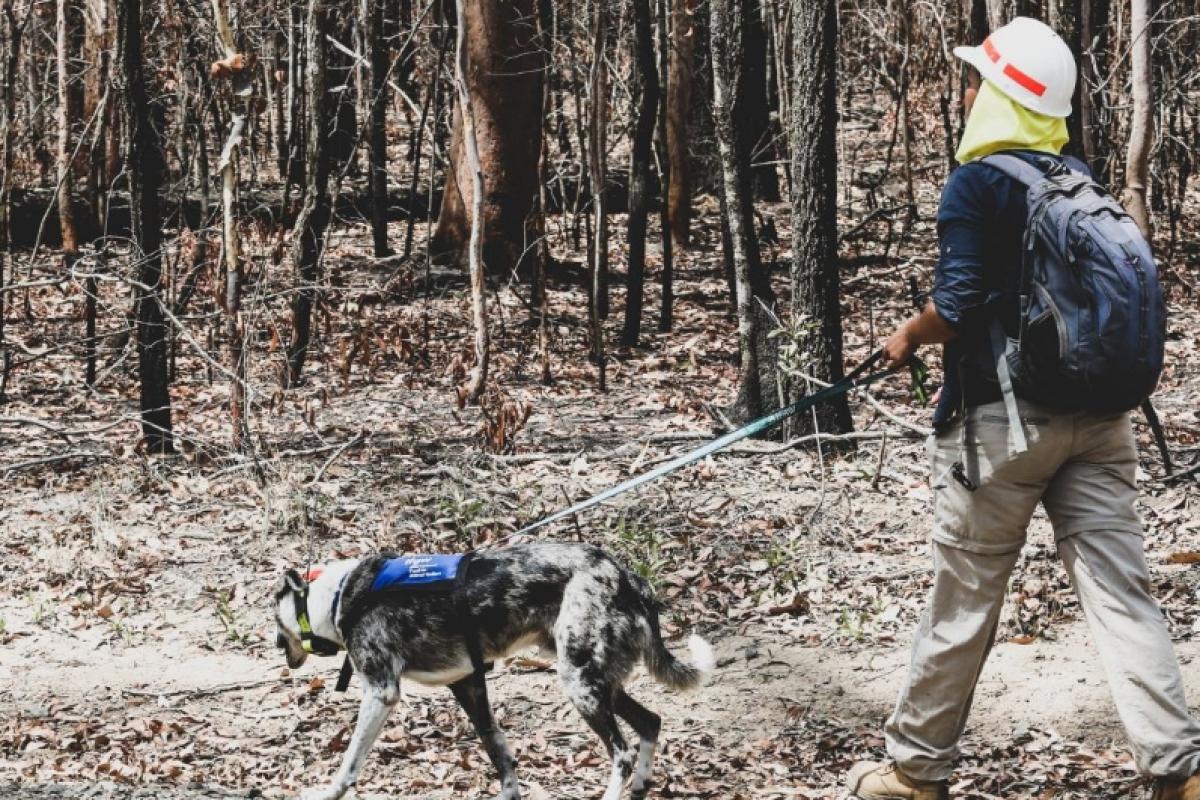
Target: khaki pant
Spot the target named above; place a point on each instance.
(1081, 468)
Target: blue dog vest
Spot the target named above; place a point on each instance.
(417, 572)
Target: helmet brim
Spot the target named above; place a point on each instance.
(979, 60)
(991, 72)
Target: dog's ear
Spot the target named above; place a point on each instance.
(291, 582)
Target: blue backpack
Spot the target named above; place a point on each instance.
(1092, 316)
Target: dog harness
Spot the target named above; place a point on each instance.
(419, 573)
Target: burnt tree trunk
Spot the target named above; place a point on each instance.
(102, 158)
(1093, 69)
(543, 256)
(504, 76)
(679, 102)
(1141, 129)
(1066, 18)
(666, 315)
(10, 43)
(377, 122)
(311, 222)
(241, 101)
(815, 284)
(475, 258)
(976, 13)
(146, 168)
(639, 173)
(754, 105)
(274, 79)
(997, 15)
(67, 16)
(597, 155)
(756, 392)
(977, 21)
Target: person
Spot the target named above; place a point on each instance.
(1080, 465)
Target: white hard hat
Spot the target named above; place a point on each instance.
(1030, 63)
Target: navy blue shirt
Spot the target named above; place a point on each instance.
(981, 227)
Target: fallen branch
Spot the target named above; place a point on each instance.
(1187, 473)
(37, 462)
(211, 690)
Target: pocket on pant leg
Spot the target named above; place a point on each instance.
(993, 518)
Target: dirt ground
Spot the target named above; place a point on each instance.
(135, 632)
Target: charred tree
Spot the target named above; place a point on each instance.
(597, 157)
(645, 116)
(1093, 71)
(815, 283)
(146, 168)
(543, 257)
(754, 105)
(67, 16)
(1141, 129)
(475, 258)
(309, 236)
(752, 291)
(377, 121)
(10, 44)
(234, 66)
(666, 315)
(504, 76)
(679, 103)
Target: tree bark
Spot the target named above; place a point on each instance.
(597, 154)
(815, 283)
(240, 104)
(377, 116)
(977, 21)
(274, 79)
(740, 240)
(666, 314)
(679, 101)
(997, 15)
(1093, 21)
(466, 109)
(66, 120)
(1141, 129)
(146, 168)
(754, 106)
(504, 77)
(1065, 17)
(645, 116)
(543, 256)
(10, 44)
(309, 242)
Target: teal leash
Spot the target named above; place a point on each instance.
(857, 378)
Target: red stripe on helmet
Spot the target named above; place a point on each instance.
(990, 50)
(1024, 80)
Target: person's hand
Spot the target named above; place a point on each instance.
(899, 347)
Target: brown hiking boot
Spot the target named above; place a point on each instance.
(869, 781)
(1187, 789)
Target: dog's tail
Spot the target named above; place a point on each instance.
(669, 670)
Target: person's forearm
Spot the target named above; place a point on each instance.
(928, 327)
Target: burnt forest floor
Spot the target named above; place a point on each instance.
(135, 632)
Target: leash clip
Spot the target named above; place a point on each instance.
(960, 474)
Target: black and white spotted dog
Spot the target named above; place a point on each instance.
(574, 599)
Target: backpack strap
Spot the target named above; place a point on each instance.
(1160, 437)
(1017, 442)
(1015, 167)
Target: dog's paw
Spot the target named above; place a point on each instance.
(323, 793)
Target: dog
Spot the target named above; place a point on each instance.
(599, 617)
